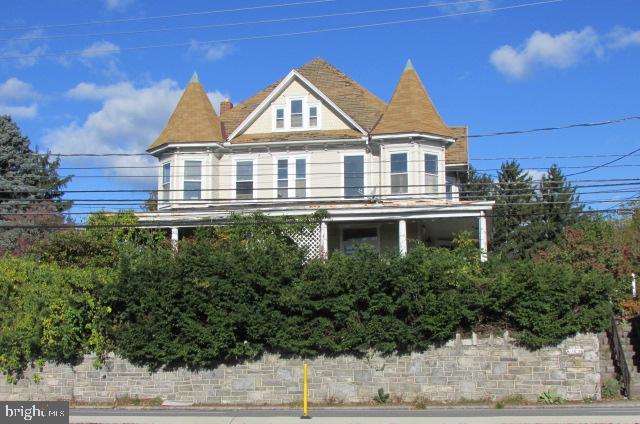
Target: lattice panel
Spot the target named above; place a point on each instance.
(310, 241)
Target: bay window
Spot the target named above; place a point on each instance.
(431, 167)
(192, 180)
(399, 173)
(166, 181)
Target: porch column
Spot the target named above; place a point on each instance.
(482, 236)
(324, 240)
(402, 237)
(175, 232)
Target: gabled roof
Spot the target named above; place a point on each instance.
(411, 110)
(354, 100)
(193, 120)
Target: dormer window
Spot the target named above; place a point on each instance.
(280, 118)
(313, 116)
(296, 114)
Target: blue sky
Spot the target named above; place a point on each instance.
(544, 65)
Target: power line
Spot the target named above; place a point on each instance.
(606, 164)
(229, 24)
(280, 35)
(227, 222)
(562, 127)
(157, 17)
(577, 125)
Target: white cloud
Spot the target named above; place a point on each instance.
(21, 52)
(536, 174)
(19, 111)
(128, 121)
(15, 89)
(621, 37)
(117, 5)
(100, 49)
(209, 52)
(545, 50)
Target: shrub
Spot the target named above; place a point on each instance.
(545, 302)
(48, 313)
(381, 397)
(611, 388)
(550, 397)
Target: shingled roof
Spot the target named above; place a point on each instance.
(458, 152)
(411, 110)
(193, 120)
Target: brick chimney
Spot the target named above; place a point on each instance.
(225, 105)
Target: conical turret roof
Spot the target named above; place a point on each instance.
(193, 120)
(411, 110)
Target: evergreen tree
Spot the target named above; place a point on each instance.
(476, 186)
(516, 223)
(559, 207)
(30, 190)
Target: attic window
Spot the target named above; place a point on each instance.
(313, 116)
(296, 114)
(280, 118)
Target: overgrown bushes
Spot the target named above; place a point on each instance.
(231, 293)
(48, 313)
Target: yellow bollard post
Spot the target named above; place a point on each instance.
(305, 393)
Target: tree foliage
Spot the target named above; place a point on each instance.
(48, 313)
(30, 190)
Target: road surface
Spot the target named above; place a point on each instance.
(541, 415)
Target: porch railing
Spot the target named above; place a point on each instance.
(621, 360)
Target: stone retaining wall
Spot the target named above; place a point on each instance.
(488, 368)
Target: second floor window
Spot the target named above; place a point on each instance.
(301, 178)
(192, 180)
(353, 176)
(399, 174)
(244, 179)
(431, 173)
(296, 114)
(283, 178)
(166, 181)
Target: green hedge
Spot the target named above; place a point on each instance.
(232, 293)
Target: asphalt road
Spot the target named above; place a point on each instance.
(582, 415)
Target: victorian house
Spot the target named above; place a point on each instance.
(386, 173)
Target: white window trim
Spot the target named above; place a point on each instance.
(306, 104)
(366, 174)
(254, 161)
(441, 188)
(203, 179)
(387, 170)
(275, 109)
(161, 200)
(291, 177)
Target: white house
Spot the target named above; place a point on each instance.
(386, 174)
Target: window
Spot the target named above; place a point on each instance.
(431, 173)
(399, 174)
(296, 114)
(283, 178)
(166, 181)
(353, 237)
(192, 179)
(279, 118)
(244, 179)
(313, 116)
(301, 178)
(353, 176)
